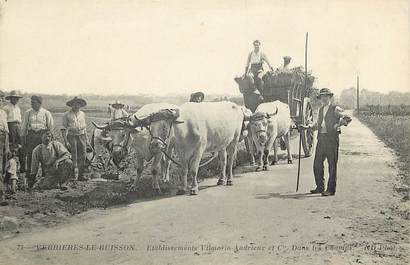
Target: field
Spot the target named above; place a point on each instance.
(31, 209)
(394, 131)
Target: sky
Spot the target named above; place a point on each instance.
(177, 47)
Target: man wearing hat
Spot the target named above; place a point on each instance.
(4, 144)
(74, 133)
(117, 110)
(35, 121)
(197, 97)
(14, 122)
(286, 62)
(254, 65)
(328, 123)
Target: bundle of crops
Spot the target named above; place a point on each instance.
(287, 78)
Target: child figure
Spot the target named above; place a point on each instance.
(12, 167)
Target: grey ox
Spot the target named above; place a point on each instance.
(124, 137)
(199, 128)
(270, 122)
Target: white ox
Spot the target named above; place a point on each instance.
(198, 128)
(270, 122)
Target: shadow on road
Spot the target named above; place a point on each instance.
(296, 196)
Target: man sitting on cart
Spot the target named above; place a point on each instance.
(285, 68)
(254, 65)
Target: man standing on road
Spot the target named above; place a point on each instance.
(328, 123)
(14, 123)
(35, 121)
(74, 133)
(55, 162)
(254, 65)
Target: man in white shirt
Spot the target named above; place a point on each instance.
(55, 162)
(117, 110)
(14, 123)
(35, 121)
(286, 62)
(328, 123)
(4, 143)
(254, 65)
(74, 133)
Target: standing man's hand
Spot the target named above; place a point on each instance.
(305, 127)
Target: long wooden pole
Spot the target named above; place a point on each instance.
(357, 96)
(301, 113)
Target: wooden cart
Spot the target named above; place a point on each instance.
(289, 87)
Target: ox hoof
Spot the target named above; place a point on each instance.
(258, 168)
(220, 182)
(194, 191)
(273, 163)
(133, 187)
(181, 192)
(229, 183)
(290, 161)
(157, 191)
(265, 168)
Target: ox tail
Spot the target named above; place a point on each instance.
(209, 160)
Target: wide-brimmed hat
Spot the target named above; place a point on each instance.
(14, 94)
(80, 101)
(325, 91)
(117, 103)
(197, 94)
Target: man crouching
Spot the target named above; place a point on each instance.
(56, 163)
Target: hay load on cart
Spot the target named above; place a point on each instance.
(292, 88)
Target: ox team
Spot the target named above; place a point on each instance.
(189, 130)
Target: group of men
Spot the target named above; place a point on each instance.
(30, 138)
(330, 118)
(255, 61)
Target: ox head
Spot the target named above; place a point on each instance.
(119, 132)
(161, 128)
(259, 123)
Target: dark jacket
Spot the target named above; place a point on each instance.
(331, 119)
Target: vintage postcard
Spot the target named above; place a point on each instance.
(204, 132)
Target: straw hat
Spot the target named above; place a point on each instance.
(118, 104)
(80, 101)
(14, 94)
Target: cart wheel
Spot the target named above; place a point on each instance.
(307, 135)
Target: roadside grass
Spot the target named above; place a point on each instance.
(394, 131)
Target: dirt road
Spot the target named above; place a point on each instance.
(260, 220)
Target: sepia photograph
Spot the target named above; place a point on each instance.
(175, 132)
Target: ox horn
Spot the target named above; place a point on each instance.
(101, 127)
(269, 115)
(175, 113)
